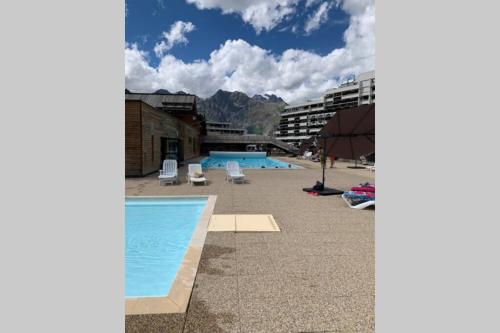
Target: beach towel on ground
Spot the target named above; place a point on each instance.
(358, 197)
(363, 189)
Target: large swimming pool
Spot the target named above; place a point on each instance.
(247, 160)
(157, 234)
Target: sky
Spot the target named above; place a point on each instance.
(295, 49)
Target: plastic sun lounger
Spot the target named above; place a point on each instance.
(233, 172)
(168, 175)
(359, 206)
(192, 170)
(307, 156)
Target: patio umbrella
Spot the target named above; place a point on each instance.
(349, 134)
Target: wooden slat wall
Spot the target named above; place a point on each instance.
(158, 124)
(189, 132)
(133, 149)
(141, 123)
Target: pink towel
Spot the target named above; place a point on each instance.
(367, 194)
(363, 189)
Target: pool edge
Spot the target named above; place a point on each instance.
(296, 166)
(179, 295)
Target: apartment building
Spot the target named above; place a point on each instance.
(351, 94)
(214, 127)
(301, 121)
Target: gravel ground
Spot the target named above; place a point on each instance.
(316, 275)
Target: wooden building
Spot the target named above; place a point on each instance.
(159, 127)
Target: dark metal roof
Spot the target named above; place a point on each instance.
(161, 100)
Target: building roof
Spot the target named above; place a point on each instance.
(361, 77)
(309, 102)
(218, 129)
(210, 122)
(366, 76)
(161, 100)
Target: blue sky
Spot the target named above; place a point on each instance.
(293, 48)
(147, 19)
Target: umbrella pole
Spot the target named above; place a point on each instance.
(323, 190)
(324, 159)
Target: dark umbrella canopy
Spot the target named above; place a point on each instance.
(350, 133)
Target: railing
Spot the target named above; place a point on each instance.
(248, 139)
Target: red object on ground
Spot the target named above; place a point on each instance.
(363, 188)
(368, 194)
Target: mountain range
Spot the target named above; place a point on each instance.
(258, 114)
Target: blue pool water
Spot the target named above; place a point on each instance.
(218, 160)
(157, 234)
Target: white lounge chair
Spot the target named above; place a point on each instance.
(307, 156)
(233, 172)
(168, 175)
(359, 206)
(371, 168)
(193, 171)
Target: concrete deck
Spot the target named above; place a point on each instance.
(316, 275)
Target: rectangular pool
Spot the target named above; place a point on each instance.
(157, 233)
(246, 160)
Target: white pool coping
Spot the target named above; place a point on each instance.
(177, 299)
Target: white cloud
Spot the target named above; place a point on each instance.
(144, 38)
(295, 75)
(261, 14)
(317, 18)
(310, 3)
(161, 4)
(176, 35)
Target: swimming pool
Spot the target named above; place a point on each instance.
(158, 232)
(218, 160)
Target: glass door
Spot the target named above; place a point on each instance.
(169, 149)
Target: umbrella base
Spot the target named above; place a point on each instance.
(324, 191)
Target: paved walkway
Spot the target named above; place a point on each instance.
(317, 275)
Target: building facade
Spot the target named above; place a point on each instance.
(215, 127)
(300, 122)
(159, 127)
(351, 94)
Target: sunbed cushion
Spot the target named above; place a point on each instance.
(236, 175)
(198, 179)
(167, 176)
